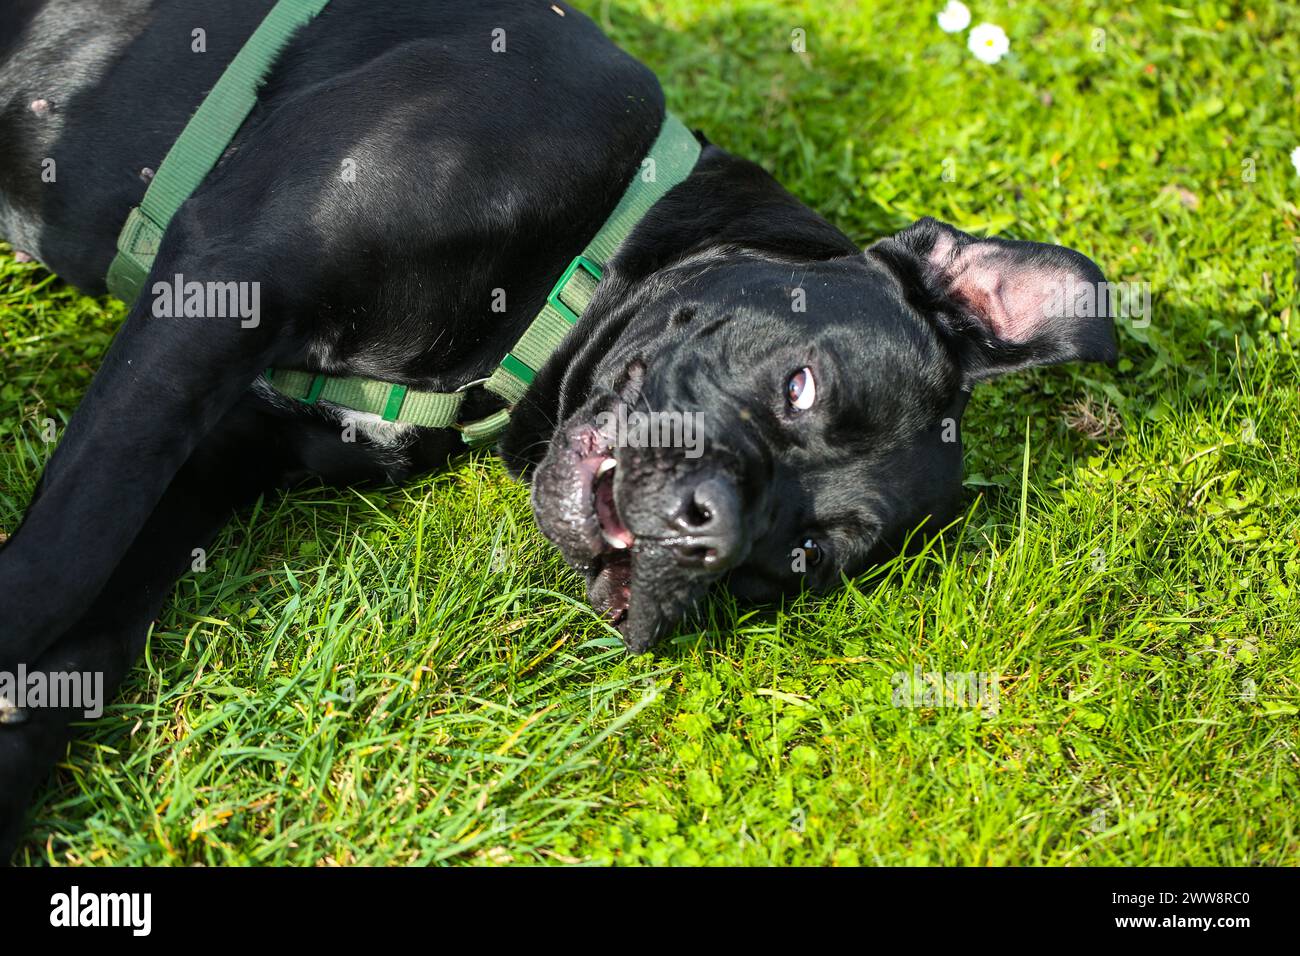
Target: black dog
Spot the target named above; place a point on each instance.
(830, 430)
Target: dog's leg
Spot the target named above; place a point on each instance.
(236, 463)
(164, 384)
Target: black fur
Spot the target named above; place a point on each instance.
(475, 171)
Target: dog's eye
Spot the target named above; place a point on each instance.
(801, 389)
(812, 551)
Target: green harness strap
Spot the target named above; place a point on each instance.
(201, 144)
(209, 132)
(670, 160)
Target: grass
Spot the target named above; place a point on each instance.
(410, 675)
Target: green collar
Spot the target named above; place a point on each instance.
(670, 160)
(210, 131)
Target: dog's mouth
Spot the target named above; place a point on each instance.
(612, 561)
(612, 530)
(586, 502)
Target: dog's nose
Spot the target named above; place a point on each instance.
(710, 521)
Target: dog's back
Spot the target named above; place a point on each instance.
(94, 92)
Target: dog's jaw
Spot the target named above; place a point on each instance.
(633, 582)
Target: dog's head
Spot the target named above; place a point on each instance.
(774, 423)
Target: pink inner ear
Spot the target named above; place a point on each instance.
(1014, 299)
(940, 253)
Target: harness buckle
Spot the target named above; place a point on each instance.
(554, 300)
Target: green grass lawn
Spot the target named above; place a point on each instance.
(411, 675)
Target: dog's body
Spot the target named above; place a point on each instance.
(474, 170)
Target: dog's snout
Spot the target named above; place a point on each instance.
(709, 519)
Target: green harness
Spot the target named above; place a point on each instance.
(210, 131)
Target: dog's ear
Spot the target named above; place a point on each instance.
(1005, 304)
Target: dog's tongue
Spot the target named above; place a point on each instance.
(613, 530)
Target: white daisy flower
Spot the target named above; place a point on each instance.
(988, 42)
(1295, 159)
(954, 18)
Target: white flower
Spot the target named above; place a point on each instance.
(1295, 159)
(988, 42)
(954, 18)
